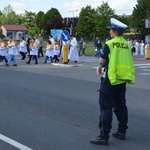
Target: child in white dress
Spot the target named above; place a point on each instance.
(49, 51)
(3, 52)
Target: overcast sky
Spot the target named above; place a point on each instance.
(67, 8)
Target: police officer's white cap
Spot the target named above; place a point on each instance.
(117, 25)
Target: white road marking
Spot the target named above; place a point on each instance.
(145, 74)
(142, 64)
(67, 65)
(14, 143)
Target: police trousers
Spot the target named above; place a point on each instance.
(112, 98)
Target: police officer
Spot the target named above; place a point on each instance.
(117, 60)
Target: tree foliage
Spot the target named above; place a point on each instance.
(141, 12)
(29, 18)
(34, 31)
(8, 16)
(39, 19)
(102, 19)
(52, 20)
(86, 25)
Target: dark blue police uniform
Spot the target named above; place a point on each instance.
(111, 97)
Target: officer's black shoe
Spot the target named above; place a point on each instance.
(119, 136)
(98, 141)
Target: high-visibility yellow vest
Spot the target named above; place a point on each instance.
(120, 67)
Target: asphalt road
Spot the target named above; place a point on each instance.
(55, 107)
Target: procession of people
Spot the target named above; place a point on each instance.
(31, 48)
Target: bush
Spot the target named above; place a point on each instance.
(2, 36)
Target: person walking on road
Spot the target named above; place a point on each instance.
(22, 48)
(33, 51)
(56, 51)
(73, 54)
(81, 42)
(3, 51)
(49, 51)
(41, 43)
(142, 48)
(99, 48)
(117, 61)
(27, 39)
(12, 50)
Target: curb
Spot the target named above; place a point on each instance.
(67, 65)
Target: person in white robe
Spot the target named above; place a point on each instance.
(52, 39)
(33, 51)
(49, 52)
(136, 48)
(142, 48)
(22, 48)
(56, 51)
(12, 51)
(73, 54)
(3, 51)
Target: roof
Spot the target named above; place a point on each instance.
(10, 27)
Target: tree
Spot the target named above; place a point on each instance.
(34, 31)
(39, 19)
(102, 19)
(29, 18)
(8, 16)
(86, 25)
(0, 16)
(53, 20)
(140, 12)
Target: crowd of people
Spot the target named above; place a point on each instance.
(138, 47)
(31, 48)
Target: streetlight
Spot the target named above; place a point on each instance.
(73, 12)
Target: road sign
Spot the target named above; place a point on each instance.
(65, 36)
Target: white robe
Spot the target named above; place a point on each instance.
(73, 54)
(13, 50)
(136, 49)
(49, 52)
(22, 47)
(142, 49)
(52, 41)
(34, 51)
(3, 51)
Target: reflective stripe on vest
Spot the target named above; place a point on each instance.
(120, 68)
